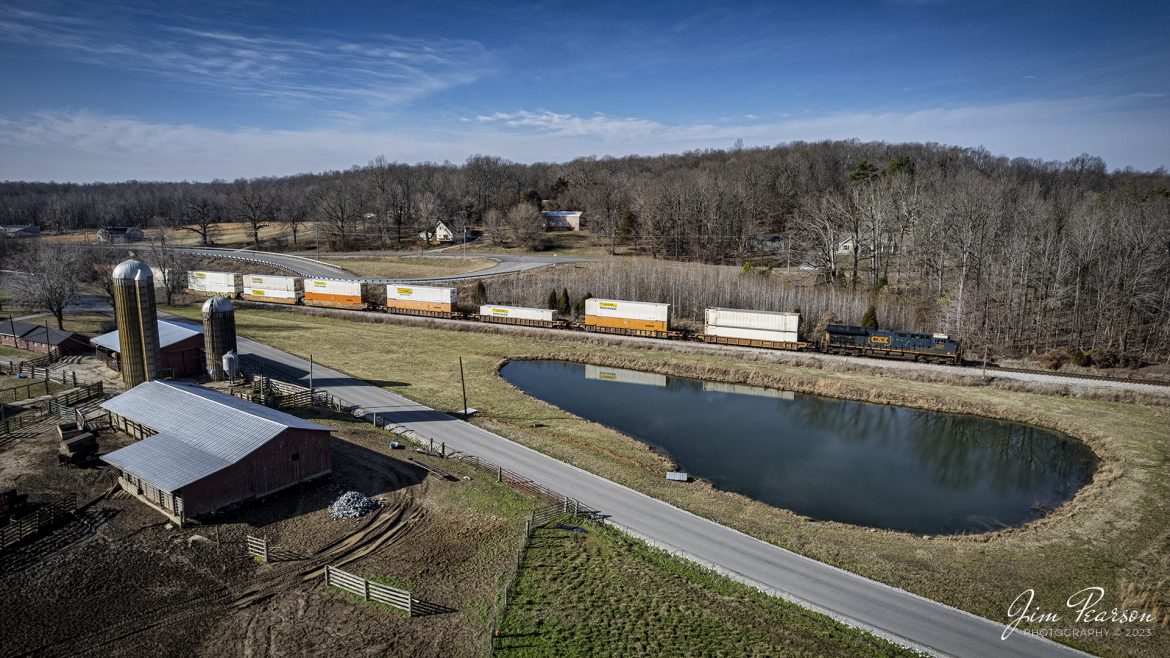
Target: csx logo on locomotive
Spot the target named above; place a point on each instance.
(879, 340)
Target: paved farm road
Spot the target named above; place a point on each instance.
(893, 613)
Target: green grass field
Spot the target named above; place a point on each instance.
(1115, 534)
(595, 592)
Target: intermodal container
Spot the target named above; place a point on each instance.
(642, 316)
(516, 313)
(270, 288)
(751, 334)
(746, 319)
(226, 284)
(336, 292)
(421, 298)
(623, 376)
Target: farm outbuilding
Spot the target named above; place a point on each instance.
(120, 234)
(562, 220)
(181, 347)
(203, 450)
(39, 338)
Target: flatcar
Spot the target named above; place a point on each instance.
(846, 339)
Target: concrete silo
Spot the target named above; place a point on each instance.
(219, 334)
(137, 317)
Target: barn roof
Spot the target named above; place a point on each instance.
(35, 333)
(200, 431)
(170, 332)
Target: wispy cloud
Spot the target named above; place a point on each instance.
(87, 147)
(377, 73)
(570, 125)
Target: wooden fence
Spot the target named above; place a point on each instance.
(29, 390)
(43, 518)
(13, 423)
(257, 547)
(567, 505)
(370, 591)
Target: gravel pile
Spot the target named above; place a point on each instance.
(351, 505)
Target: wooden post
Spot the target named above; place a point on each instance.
(327, 583)
(432, 446)
(409, 605)
(443, 448)
(499, 474)
(265, 550)
(463, 382)
(366, 589)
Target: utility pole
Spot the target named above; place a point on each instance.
(463, 382)
(310, 374)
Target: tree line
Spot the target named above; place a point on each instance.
(1020, 254)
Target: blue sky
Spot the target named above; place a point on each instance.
(197, 90)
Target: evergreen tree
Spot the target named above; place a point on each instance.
(480, 294)
(563, 305)
(869, 320)
(552, 300)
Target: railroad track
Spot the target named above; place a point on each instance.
(1069, 375)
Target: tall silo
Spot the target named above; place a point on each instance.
(219, 334)
(137, 317)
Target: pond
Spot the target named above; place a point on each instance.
(866, 464)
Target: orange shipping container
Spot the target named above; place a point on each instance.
(409, 305)
(625, 323)
(332, 298)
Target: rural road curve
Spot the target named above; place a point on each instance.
(895, 614)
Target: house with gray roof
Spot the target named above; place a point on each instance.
(203, 450)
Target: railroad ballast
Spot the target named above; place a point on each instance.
(724, 326)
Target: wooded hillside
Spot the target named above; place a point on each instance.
(1023, 254)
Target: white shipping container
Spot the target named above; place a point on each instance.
(273, 294)
(411, 293)
(616, 308)
(273, 283)
(334, 286)
(746, 319)
(744, 389)
(517, 312)
(752, 334)
(623, 376)
(215, 282)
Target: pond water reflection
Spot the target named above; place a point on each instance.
(856, 462)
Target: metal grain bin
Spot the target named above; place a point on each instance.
(231, 366)
(137, 317)
(219, 334)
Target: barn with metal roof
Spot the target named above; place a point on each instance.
(180, 342)
(203, 450)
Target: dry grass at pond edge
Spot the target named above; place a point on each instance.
(1114, 534)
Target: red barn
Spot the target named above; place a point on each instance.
(203, 450)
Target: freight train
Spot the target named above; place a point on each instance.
(722, 326)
